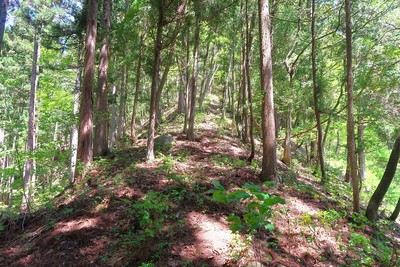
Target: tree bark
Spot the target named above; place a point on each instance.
(100, 143)
(122, 102)
(316, 97)
(160, 89)
(227, 84)
(113, 115)
(154, 82)
(396, 211)
(387, 178)
(30, 165)
(3, 19)
(137, 88)
(190, 133)
(74, 127)
(249, 42)
(350, 113)
(269, 162)
(287, 157)
(85, 149)
(361, 150)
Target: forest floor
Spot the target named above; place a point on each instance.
(161, 213)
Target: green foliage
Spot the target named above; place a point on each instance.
(227, 161)
(258, 208)
(331, 217)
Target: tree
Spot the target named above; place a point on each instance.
(193, 83)
(30, 165)
(3, 18)
(137, 86)
(387, 178)
(396, 211)
(154, 80)
(100, 145)
(316, 92)
(351, 144)
(269, 162)
(85, 150)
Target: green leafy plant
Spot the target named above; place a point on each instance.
(258, 208)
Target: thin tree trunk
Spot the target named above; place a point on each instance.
(396, 211)
(187, 86)
(227, 84)
(287, 155)
(350, 113)
(121, 112)
(137, 88)
(361, 150)
(3, 19)
(387, 178)
(113, 116)
(85, 149)
(249, 43)
(269, 161)
(337, 142)
(74, 127)
(29, 167)
(3, 165)
(100, 143)
(160, 89)
(154, 82)
(316, 98)
(190, 134)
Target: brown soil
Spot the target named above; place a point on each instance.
(97, 225)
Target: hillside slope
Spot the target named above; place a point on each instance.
(135, 213)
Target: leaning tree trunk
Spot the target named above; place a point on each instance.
(387, 178)
(85, 150)
(29, 167)
(396, 211)
(269, 163)
(190, 133)
(100, 143)
(350, 114)
(154, 82)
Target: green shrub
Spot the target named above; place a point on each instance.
(258, 209)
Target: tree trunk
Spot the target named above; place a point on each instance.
(85, 149)
(100, 143)
(361, 150)
(29, 167)
(160, 88)
(316, 98)
(269, 162)
(74, 127)
(154, 82)
(122, 99)
(396, 211)
(227, 85)
(350, 113)
(113, 115)
(287, 156)
(390, 171)
(249, 42)
(137, 88)
(3, 19)
(185, 63)
(190, 134)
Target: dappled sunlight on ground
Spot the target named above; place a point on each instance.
(212, 238)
